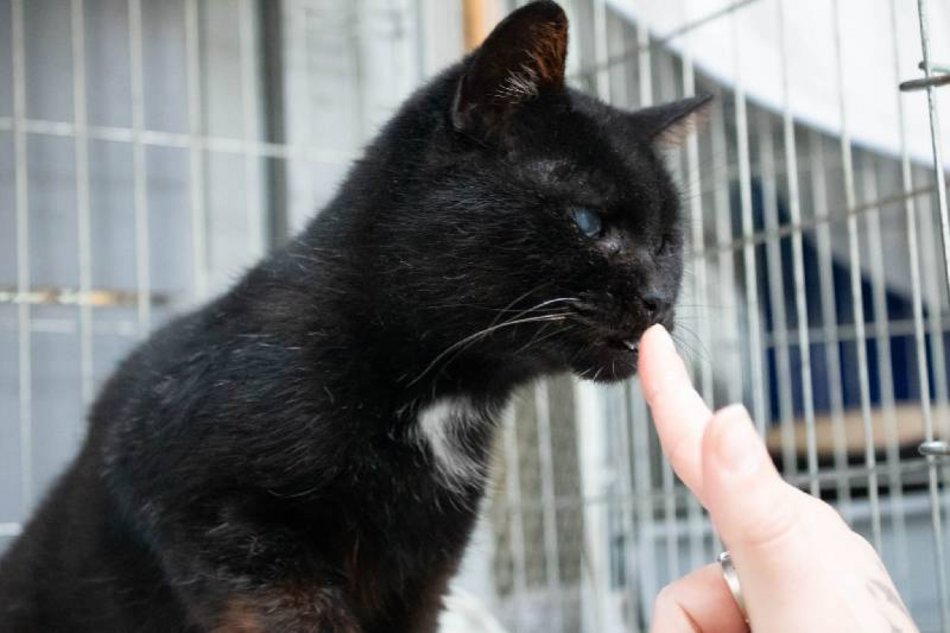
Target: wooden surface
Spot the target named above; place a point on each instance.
(905, 426)
(479, 17)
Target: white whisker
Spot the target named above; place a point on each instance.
(485, 332)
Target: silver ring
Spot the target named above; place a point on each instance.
(732, 581)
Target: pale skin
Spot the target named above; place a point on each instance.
(800, 566)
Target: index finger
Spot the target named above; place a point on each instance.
(679, 413)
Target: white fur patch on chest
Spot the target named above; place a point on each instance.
(442, 425)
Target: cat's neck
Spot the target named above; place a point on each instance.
(330, 304)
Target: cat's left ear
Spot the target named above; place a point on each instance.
(669, 124)
(520, 59)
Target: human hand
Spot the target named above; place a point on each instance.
(800, 566)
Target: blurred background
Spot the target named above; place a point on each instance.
(151, 150)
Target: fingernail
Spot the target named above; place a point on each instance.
(738, 446)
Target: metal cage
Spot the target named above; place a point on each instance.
(150, 150)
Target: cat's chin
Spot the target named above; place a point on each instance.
(606, 363)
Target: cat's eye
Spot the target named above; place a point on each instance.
(588, 221)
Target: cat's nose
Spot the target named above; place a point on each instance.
(653, 302)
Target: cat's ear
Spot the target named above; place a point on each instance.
(521, 58)
(669, 124)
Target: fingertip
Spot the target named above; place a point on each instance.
(655, 339)
(658, 358)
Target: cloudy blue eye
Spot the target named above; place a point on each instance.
(588, 221)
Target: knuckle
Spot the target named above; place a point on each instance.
(824, 512)
(863, 547)
(665, 601)
(668, 607)
(676, 452)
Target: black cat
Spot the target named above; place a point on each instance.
(308, 452)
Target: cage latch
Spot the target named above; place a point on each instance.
(935, 448)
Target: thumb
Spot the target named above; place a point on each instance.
(758, 515)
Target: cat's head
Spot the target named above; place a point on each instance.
(543, 218)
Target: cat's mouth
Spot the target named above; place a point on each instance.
(631, 344)
(628, 344)
(610, 344)
(607, 358)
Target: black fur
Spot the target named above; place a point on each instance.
(257, 465)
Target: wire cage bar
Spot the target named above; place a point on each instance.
(936, 510)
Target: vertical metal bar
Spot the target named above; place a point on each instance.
(627, 520)
(935, 138)
(885, 372)
(591, 416)
(272, 89)
(730, 366)
(250, 119)
(196, 164)
(940, 175)
(937, 347)
(913, 253)
(798, 259)
(142, 257)
(857, 298)
(22, 257)
(697, 236)
(773, 254)
(756, 369)
(552, 556)
(700, 282)
(643, 486)
(671, 530)
(419, 32)
(829, 318)
(515, 513)
(934, 317)
(643, 61)
(600, 47)
(83, 233)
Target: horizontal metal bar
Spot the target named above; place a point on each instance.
(846, 332)
(632, 52)
(786, 230)
(96, 298)
(158, 138)
(125, 328)
(828, 479)
(10, 529)
(938, 68)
